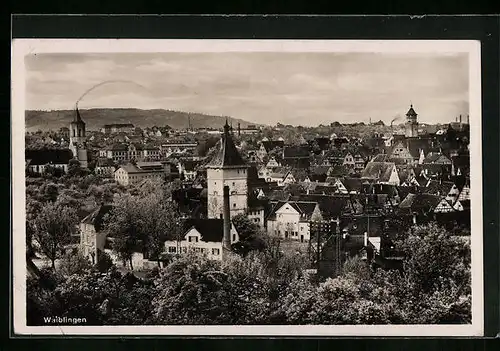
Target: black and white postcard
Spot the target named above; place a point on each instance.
(247, 187)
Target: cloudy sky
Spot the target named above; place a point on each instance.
(292, 88)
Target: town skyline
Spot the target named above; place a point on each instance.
(305, 89)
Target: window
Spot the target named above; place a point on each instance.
(233, 182)
(234, 205)
(215, 252)
(234, 237)
(172, 249)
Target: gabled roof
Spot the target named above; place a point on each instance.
(381, 158)
(299, 174)
(320, 170)
(279, 172)
(304, 208)
(210, 229)
(47, 156)
(420, 202)
(227, 154)
(105, 162)
(272, 144)
(296, 152)
(96, 217)
(353, 184)
(439, 188)
(378, 171)
(433, 157)
(117, 147)
(338, 171)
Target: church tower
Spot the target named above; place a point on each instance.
(411, 125)
(227, 168)
(77, 139)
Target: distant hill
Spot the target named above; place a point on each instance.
(96, 118)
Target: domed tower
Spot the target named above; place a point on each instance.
(411, 125)
(77, 139)
(227, 168)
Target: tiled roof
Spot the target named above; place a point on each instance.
(296, 152)
(210, 229)
(411, 111)
(439, 188)
(96, 217)
(378, 170)
(381, 158)
(420, 202)
(353, 184)
(305, 209)
(272, 144)
(227, 155)
(46, 156)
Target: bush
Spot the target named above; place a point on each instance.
(104, 261)
(74, 263)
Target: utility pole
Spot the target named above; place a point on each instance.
(338, 240)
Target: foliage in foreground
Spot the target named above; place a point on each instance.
(269, 287)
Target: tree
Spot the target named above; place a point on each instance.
(158, 221)
(74, 263)
(148, 219)
(74, 168)
(104, 261)
(250, 234)
(53, 229)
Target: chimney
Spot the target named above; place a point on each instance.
(226, 241)
(239, 129)
(460, 119)
(467, 119)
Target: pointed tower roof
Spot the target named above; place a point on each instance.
(411, 112)
(77, 118)
(227, 155)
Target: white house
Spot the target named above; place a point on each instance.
(290, 220)
(204, 236)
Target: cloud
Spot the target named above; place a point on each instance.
(309, 88)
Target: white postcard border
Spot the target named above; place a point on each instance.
(23, 47)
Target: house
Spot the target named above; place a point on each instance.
(407, 176)
(204, 236)
(436, 158)
(150, 153)
(381, 172)
(290, 219)
(117, 128)
(105, 167)
(400, 151)
(267, 146)
(188, 168)
(296, 156)
(37, 161)
(447, 190)
(92, 237)
(278, 175)
(296, 175)
(464, 193)
(419, 206)
(130, 174)
(168, 149)
(272, 163)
